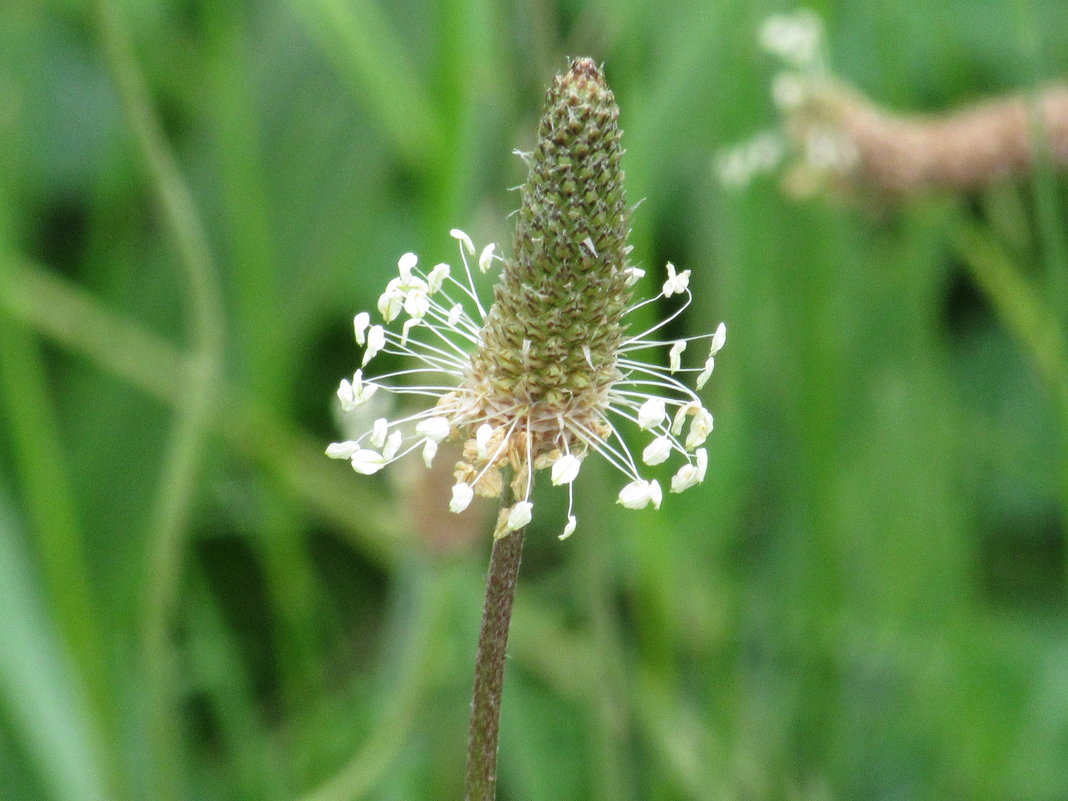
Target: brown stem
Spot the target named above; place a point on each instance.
(489, 665)
(970, 147)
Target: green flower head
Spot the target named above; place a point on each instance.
(541, 379)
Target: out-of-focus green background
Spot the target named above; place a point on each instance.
(865, 600)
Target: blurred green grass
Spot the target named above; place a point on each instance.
(865, 600)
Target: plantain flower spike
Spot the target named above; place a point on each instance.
(549, 373)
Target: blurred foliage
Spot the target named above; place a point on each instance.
(865, 600)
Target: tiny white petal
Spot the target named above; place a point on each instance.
(482, 438)
(636, 495)
(719, 339)
(461, 497)
(651, 413)
(657, 451)
(430, 450)
(565, 469)
(379, 431)
(485, 258)
(392, 445)
(367, 462)
(455, 313)
(519, 515)
(437, 277)
(702, 463)
(390, 304)
(464, 239)
(700, 428)
(569, 529)
(405, 264)
(376, 340)
(342, 450)
(406, 329)
(359, 324)
(634, 275)
(710, 365)
(675, 355)
(435, 428)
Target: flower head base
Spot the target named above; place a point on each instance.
(544, 376)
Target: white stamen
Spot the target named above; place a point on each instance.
(719, 339)
(657, 451)
(416, 303)
(655, 493)
(434, 428)
(702, 379)
(390, 304)
(565, 469)
(482, 438)
(636, 495)
(485, 258)
(378, 432)
(464, 239)
(406, 329)
(376, 340)
(681, 414)
(430, 450)
(367, 462)
(519, 515)
(651, 413)
(342, 450)
(675, 284)
(437, 278)
(404, 266)
(355, 393)
(700, 428)
(359, 324)
(461, 497)
(569, 529)
(675, 355)
(392, 445)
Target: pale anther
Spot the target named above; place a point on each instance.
(485, 258)
(435, 428)
(464, 239)
(569, 529)
(565, 469)
(359, 324)
(657, 451)
(376, 340)
(675, 355)
(651, 413)
(461, 497)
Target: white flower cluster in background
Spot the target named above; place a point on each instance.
(811, 145)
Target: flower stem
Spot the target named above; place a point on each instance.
(489, 663)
